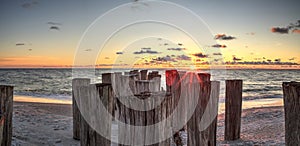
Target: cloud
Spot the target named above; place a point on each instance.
(280, 30)
(20, 44)
(295, 25)
(28, 5)
(176, 49)
(291, 59)
(146, 52)
(53, 23)
(54, 28)
(296, 31)
(172, 58)
(164, 59)
(217, 54)
(115, 64)
(250, 33)
(200, 55)
(277, 60)
(236, 59)
(218, 46)
(183, 57)
(146, 48)
(285, 30)
(119, 53)
(224, 37)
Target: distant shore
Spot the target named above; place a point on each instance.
(51, 124)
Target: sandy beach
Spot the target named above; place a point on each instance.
(51, 124)
(42, 124)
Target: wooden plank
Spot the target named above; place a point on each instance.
(291, 97)
(233, 109)
(77, 82)
(6, 112)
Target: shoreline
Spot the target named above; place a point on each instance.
(247, 104)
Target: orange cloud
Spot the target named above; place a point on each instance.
(296, 31)
(280, 30)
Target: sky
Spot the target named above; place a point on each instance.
(40, 33)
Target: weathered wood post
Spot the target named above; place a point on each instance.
(97, 93)
(212, 113)
(107, 77)
(233, 109)
(142, 86)
(198, 132)
(291, 98)
(6, 112)
(76, 113)
(173, 86)
(143, 74)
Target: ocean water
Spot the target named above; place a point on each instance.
(56, 83)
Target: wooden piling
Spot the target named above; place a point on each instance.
(107, 77)
(123, 118)
(6, 112)
(76, 112)
(197, 135)
(142, 86)
(291, 98)
(173, 85)
(89, 136)
(233, 109)
(211, 114)
(143, 74)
